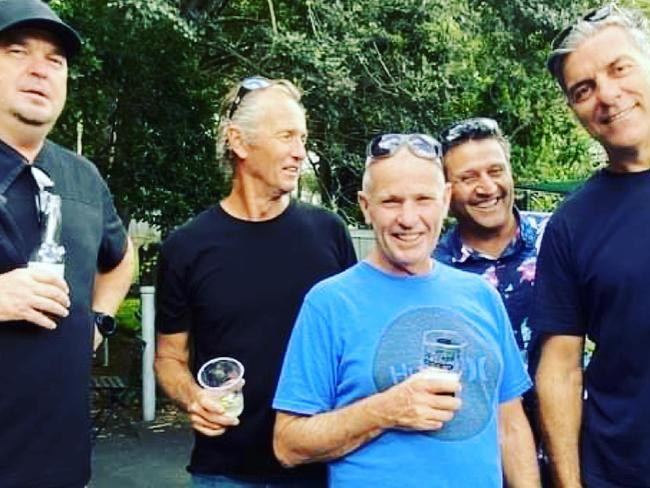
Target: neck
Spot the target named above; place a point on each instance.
(380, 261)
(27, 143)
(491, 241)
(247, 202)
(629, 160)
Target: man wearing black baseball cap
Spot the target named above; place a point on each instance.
(47, 321)
(36, 14)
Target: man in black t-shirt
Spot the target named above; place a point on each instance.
(46, 320)
(593, 272)
(231, 282)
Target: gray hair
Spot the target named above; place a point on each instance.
(633, 21)
(245, 115)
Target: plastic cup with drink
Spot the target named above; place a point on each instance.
(443, 355)
(224, 377)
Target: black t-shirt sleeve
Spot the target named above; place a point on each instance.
(172, 301)
(557, 305)
(347, 254)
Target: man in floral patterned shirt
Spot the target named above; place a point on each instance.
(492, 238)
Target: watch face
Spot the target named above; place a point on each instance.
(105, 323)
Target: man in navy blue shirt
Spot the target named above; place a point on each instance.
(593, 271)
(47, 321)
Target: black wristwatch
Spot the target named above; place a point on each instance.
(106, 324)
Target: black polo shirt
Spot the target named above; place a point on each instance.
(45, 374)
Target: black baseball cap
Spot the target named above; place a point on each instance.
(35, 13)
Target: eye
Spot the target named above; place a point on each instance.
(468, 179)
(390, 202)
(57, 60)
(621, 69)
(16, 50)
(581, 93)
(496, 172)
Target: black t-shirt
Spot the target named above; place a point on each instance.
(45, 374)
(236, 286)
(593, 278)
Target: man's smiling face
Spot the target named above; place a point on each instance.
(607, 81)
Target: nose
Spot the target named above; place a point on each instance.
(298, 150)
(408, 214)
(607, 90)
(486, 184)
(39, 67)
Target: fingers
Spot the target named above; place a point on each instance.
(207, 416)
(38, 318)
(50, 279)
(48, 306)
(51, 287)
(33, 296)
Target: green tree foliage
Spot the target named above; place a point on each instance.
(149, 83)
(146, 107)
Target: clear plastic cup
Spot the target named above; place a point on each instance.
(224, 377)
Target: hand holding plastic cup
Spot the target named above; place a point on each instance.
(224, 377)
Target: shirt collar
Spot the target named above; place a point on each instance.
(9, 159)
(524, 237)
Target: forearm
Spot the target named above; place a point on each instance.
(176, 380)
(111, 287)
(520, 465)
(330, 435)
(560, 404)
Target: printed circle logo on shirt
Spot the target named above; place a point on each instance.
(400, 353)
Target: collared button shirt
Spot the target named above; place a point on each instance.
(512, 273)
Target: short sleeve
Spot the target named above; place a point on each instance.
(556, 306)
(307, 384)
(113, 243)
(172, 303)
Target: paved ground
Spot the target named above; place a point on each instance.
(152, 455)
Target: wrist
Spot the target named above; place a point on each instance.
(105, 323)
(375, 408)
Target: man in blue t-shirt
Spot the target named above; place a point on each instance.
(402, 371)
(593, 275)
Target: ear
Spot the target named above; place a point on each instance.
(362, 198)
(236, 142)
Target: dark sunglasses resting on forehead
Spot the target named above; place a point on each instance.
(596, 15)
(476, 127)
(385, 145)
(247, 85)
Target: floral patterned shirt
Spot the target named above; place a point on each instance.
(512, 273)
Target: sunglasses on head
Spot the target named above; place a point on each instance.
(247, 85)
(596, 15)
(469, 129)
(385, 145)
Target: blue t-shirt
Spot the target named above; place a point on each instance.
(360, 332)
(512, 273)
(593, 278)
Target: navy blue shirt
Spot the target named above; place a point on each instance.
(45, 374)
(512, 273)
(593, 278)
